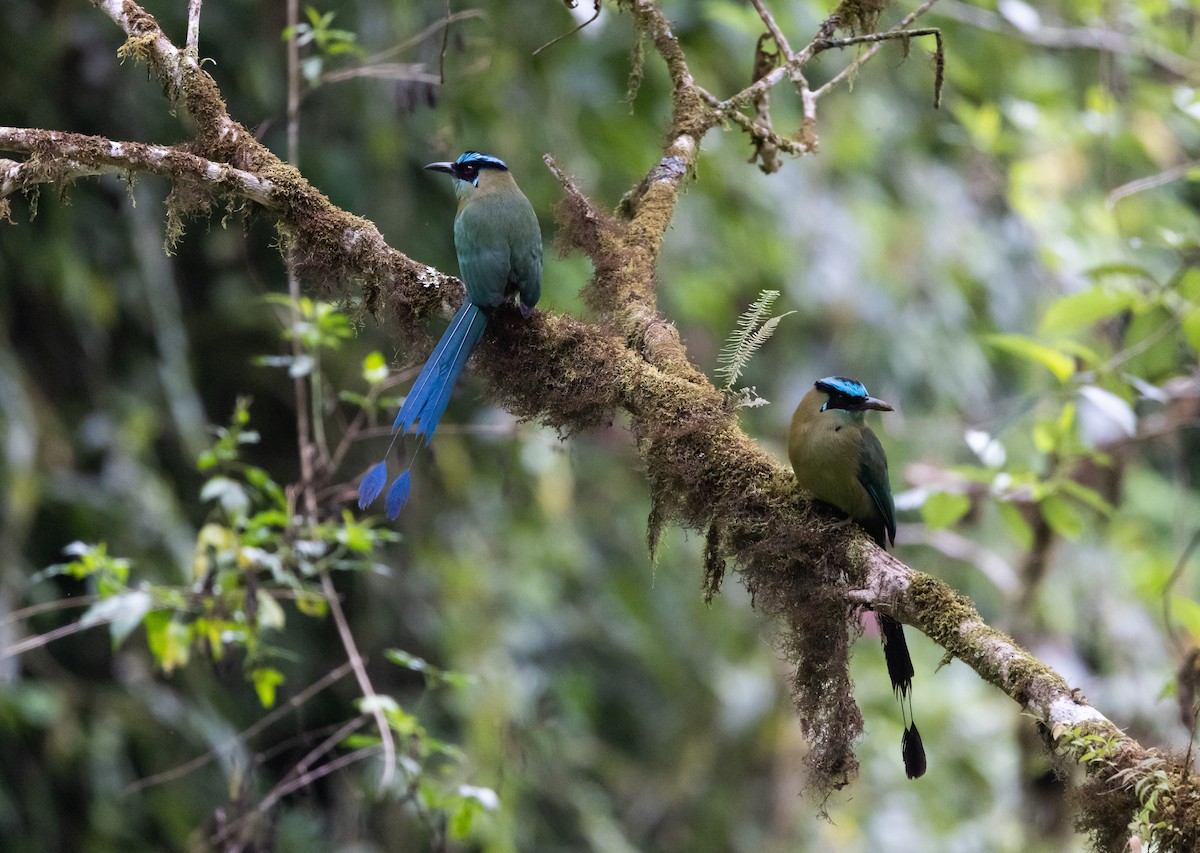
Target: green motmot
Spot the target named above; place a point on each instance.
(839, 460)
(499, 247)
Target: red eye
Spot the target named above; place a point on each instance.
(469, 171)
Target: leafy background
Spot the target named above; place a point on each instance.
(969, 264)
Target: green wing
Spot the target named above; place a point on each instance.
(873, 474)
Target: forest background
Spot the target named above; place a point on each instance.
(1017, 271)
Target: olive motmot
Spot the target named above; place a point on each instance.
(839, 460)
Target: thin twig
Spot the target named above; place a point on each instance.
(773, 28)
(303, 425)
(413, 41)
(870, 38)
(411, 72)
(47, 607)
(866, 55)
(36, 642)
(1168, 622)
(445, 45)
(299, 382)
(1150, 182)
(364, 682)
(557, 39)
(199, 761)
(903, 35)
(193, 28)
(784, 143)
(300, 776)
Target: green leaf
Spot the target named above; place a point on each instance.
(1045, 436)
(265, 681)
(123, 612)
(167, 639)
(211, 630)
(312, 604)
(460, 821)
(229, 493)
(359, 741)
(1124, 270)
(374, 368)
(262, 481)
(301, 366)
(378, 702)
(1190, 321)
(272, 361)
(1063, 518)
(407, 660)
(942, 509)
(270, 614)
(1058, 363)
(1187, 613)
(354, 535)
(1087, 496)
(1077, 310)
(1015, 521)
(1188, 284)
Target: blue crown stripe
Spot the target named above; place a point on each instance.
(481, 159)
(843, 385)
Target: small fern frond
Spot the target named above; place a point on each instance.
(752, 331)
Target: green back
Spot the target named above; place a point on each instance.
(499, 245)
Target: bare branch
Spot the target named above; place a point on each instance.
(571, 32)
(301, 776)
(364, 681)
(193, 29)
(199, 761)
(1167, 176)
(902, 35)
(773, 28)
(863, 58)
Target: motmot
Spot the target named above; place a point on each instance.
(839, 460)
(499, 246)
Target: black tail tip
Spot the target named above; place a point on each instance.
(913, 752)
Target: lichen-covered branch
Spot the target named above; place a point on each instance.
(58, 157)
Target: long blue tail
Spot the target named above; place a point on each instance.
(430, 394)
(426, 402)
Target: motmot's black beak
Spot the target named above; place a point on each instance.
(876, 404)
(448, 168)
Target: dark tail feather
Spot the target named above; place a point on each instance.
(430, 394)
(913, 752)
(900, 671)
(895, 652)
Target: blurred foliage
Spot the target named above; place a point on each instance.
(976, 266)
